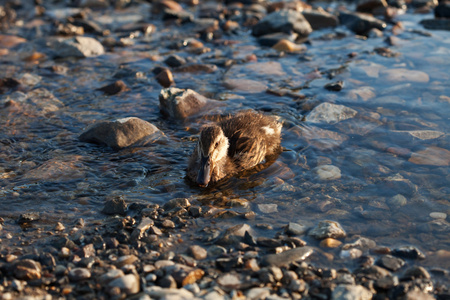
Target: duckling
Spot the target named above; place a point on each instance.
(235, 144)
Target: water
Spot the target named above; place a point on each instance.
(44, 168)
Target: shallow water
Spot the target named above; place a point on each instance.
(44, 168)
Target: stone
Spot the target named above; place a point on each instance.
(245, 85)
(436, 24)
(330, 243)
(330, 113)
(286, 21)
(27, 269)
(79, 46)
(198, 252)
(295, 229)
(143, 226)
(432, 155)
(438, 215)
(409, 252)
(327, 229)
(180, 103)
(165, 78)
(319, 138)
(128, 284)
(403, 75)
(234, 234)
(442, 10)
(174, 61)
(390, 262)
(360, 23)
(351, 292)
(287, 257)
(114, 88)
(115, 206)
(416, 272)
(78, 274)
(109, 276)
(175, 203)
(397, 201)
(126, 260)
(334, 86)
(257, 293)
(156, 292)
(121, 133)
(319, 18)
(268, 208)
(327, 172)
(288, 46)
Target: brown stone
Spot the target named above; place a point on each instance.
(432, 155)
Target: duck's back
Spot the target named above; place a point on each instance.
(252, 137)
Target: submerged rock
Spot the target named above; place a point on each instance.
(287, 257)
(432, 155)
(327, 172)
(330, 113)
(114, 88)
(286, 21)
(79, 46)
(120, 133)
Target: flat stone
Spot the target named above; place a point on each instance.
(287, 257)
(327, 229)
(143, 226)
(327, 172)
(390, 262)
(288, 46)
(126, 260)
(128, 284)
(330, 113)
(351, 292)
(157, 292)
(438, 215)
(319, 138)
(409, 252)
(432, 155)
(180, 104)
(416, 272)
(57, 170)
(268, 208)
(110, 276)
(79, 46)
(120, 133)
(257, 293)
(283, 21)
(78, 274)
(234, 234)
(436, 24)
(198, 252)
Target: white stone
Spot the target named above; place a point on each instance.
(79, 46)
(128, 284)
(438, 215)
(330, 113)
(327, 172)
(268, 208)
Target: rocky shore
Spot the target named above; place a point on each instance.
(185, 248)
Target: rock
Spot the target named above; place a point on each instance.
(287, 257)
(114, 88)
(409, 252)
(432, 155)
(286, 21)
(180, 104)
(268, 208)
(442, 10)
(372, 6)
(176, 202)
(436, 24)
(319, 19)
(79, 46)
(390, 262)
(397, 201)
(174, 61)
(416, 272)
(330, 113)
(423, 134)
(143, 226)
(362, 243)
(438, 215)
(271, 39)
(165, 78)
(198, 252)
(403, 75)
(121, 133)
(156, 292)
(128, 284)
(234, 234)
(28, 217)
(330, 243)
(78, 274)
(334, 86)
(27, 269)
(320, 138)
(109, 276)
(417, 294)
(387, 282)
(360, 23)
(126, 260)
(10, 41)
(327, 172)
(258, 293)
(327, 229)
(115, 206)
(245, 85)
(295, 229)
(288, 46)
(351, 292)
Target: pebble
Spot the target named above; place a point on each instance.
(330, 243)
(114, 88)
(397, 201)
(283, 21)
(295, 229)
(327, 229)
(179, 103)
(409, 252)
(390, 262)
(327, 172)
(330, 113)
(198, 252)
(287, 257)
(115, 206)
(110, 275)
(79, 46)
(347, 292)
(438, 215)
(432, 155)
(27, 269)
(268, 208)
(128, 284)
(78, 274)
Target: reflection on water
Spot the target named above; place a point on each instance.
(392, 155)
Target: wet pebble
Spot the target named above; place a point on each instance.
(27, 269)
(330, 113)
(283, 21)
(198, 252)
(115, 206)
(268, 208)
(179, 103)
(128, 284)
(78, 274)
(397, 201)
(295, 229)
(114, 88)
(390, 262)
(345, 292)
(79, 46)
(287, 257)
(438, 215)
(327, 172)
(409, 252)
(327, 229)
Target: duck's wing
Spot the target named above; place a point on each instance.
(246, 151)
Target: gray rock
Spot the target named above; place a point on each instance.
(121, 133)
(409, 252)
(257, 293)
(327, 229)
(416, 272)
(128, 284)
(234, 234)
(176, 202)
(397, 201)
(110, 276)
(28, 217)
(390, 262)
(295, 229)
(327, 172)
(360, 23)
(436, 24)
(167, 282)
(143, 226)
(387, 282)
(27, 269)
(115, 206)
(351, 292)
(157, 292)
(79, 46)
(198, 252)
(287, 257)
(319, 19)
(330, 113)
(286, 21)
(180, 104)
(78, 274)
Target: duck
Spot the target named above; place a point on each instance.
(235, 144)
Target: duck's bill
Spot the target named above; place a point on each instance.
(204, 174)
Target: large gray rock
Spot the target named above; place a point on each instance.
(180, 104)
(284, 20)
(79, 46)
(121, 133)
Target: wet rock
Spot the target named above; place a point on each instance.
(128, 284)
(362, 243)
(115, 206)
(422, 134)
(330, 113)
(79, 46)
(351, 253)
(330, 243)
(165, 78)
(319, 138)
(415, 294)
(28, 217)
(176, 202)
(327, 229)
(174, 61)
(180, 104)
(438, 215)
(372, 272)
(114, 88)
(78, 274)
(143, 226)
(157, 292)
(432, 155)
(360, 23)
(245, 85)
(334, 86)
(268, 208)
(287, 257)
(436, 24)
(404, 75)
(350, 292)
(198, 252)
(372, 6)
(27, 269)
(327, 172)
(234, 234)
(390, 262)
(319, 19)
(283, 21)
(295, 229)
(126, 260)
(258, 293)
(416, 272)
(271, 39)
(387, 282)
(397, 201)
(409, 252)
(288, 46)
(120, 133)
(442, 10)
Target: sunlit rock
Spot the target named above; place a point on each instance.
(327, 172)
(330, 113)
(327, 229)
(288, 46)
(120, 133)
(79, 46)
(344, 292)
(287, 257)
(283, 21)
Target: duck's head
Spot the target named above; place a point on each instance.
(212, 148)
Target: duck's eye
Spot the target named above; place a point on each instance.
(216, 145)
